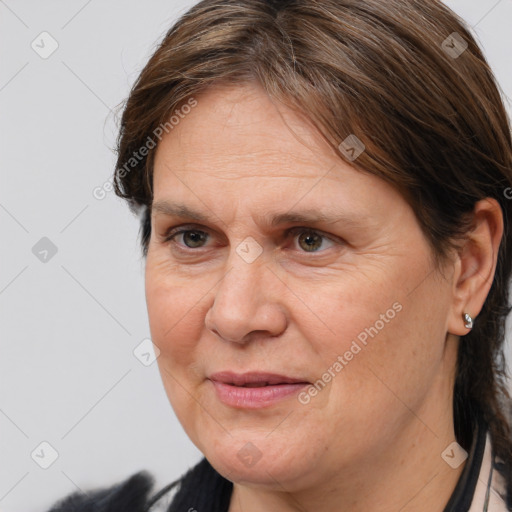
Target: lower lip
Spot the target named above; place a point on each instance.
(255, 398)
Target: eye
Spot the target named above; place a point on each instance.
(192, 238)
(310, 240)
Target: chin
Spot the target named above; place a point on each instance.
(259, 461)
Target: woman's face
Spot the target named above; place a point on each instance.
(301, 325)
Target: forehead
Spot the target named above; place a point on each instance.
(237, 150)
(238, 132)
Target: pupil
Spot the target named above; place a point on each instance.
(313, 241)
(194, 237)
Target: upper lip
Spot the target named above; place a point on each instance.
(262, 378)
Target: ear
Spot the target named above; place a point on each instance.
(475, 264)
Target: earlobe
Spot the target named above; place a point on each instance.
(475, 266)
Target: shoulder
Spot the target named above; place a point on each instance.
(492, 486)
(200, 488)
(130, 495)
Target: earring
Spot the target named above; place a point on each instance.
(468, 321)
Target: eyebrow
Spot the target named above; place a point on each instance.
(309, 216)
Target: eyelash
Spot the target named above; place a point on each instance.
(174, 232)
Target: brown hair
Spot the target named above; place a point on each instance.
(409, 80)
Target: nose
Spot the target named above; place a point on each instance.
(246, 303)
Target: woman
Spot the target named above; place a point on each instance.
(323, 187)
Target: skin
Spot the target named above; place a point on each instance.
(372, 439)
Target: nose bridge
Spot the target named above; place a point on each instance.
(240, 289)
(246, 267)
(242, 301)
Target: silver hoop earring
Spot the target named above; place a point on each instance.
(468, 321)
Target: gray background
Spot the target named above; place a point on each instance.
(70, 324)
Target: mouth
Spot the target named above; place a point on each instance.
(254, 379)
(254, 390)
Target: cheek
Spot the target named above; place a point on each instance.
(353, 314)
(392, 350)
(376, 340)
(176, 317)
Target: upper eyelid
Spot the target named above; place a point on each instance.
(193, 227)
